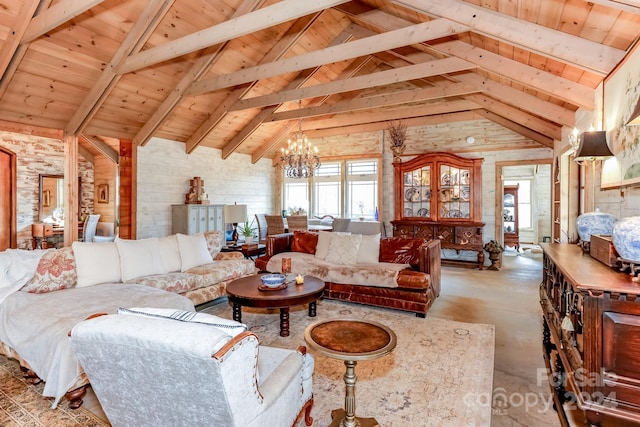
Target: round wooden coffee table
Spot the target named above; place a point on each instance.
(245, 292)
(350, 340)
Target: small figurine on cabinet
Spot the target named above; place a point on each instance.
(196, 194)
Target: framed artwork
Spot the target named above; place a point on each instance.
(46, 198)
(621, 94)
(103, 193)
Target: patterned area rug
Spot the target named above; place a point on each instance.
(22, 404)
(440, 374)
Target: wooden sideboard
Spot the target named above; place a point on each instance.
(591, 335)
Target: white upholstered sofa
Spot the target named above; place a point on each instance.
(43, 294)
(167, 368)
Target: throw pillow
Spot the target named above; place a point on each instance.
(193, 250)
(304, 241)
(139, 258)
(56, 270)
(369, 251)
(96, 263)
(170, 253)
(344, 249)
(231, 327)
(324, 239)
(215, 241)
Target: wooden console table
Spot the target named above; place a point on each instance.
(591, 336)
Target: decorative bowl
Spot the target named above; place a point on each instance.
(594, 223)
(273, 280)
(626, 238)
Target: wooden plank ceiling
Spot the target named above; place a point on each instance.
(238, 75)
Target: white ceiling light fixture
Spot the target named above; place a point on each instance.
(470, 140)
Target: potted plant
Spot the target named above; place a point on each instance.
(247, 231)
(494, 248)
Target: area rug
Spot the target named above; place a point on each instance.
(440, 374)
(22, 404)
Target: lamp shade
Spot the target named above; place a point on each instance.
(592, 146)
(234, 214)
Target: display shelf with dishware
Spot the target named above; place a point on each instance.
(510, 228)
(439, 195)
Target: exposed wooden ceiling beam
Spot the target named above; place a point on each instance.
(283, 11)
(390, 40)
(135, 39)
(410, 72)
(198, 69)
(523, 118)
(632, 6)
(12, 50)
(522, 130)
(564, 47)
(55, 16)
(281, 47)
(102, 147)
(385, 100)
(534, 78)
(86, 154)
(352, 69)
(524, 74)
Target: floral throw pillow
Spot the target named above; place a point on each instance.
(56, 270)
(215, 241)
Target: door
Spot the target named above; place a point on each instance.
(7, 200)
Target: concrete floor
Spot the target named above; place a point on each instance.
(509, 300)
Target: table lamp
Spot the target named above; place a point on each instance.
(233, 214)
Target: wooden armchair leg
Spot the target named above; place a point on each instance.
(30, 376)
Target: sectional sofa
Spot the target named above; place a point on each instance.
(43, 294)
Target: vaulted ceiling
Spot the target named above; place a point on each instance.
(238, 75)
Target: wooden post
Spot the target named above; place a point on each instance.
(71, 189)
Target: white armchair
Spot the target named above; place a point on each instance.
(158, 371)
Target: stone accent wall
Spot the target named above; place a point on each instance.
(164, 171)
(34, 156)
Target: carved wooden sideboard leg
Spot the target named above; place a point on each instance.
(559, 379)
(75, 397)
(593, 419)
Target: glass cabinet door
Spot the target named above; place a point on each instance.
(417, 193)
(455, 192)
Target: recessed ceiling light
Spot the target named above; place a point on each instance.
(470, 140)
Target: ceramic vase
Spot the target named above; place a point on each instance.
(626, 238)
(594, 223)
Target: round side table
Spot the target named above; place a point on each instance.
(350, 340)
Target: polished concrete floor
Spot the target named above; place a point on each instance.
(509, 300)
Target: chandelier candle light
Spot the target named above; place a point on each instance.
(300, 159)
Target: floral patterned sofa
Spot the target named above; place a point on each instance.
(43, 294)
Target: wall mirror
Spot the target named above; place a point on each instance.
(51, 203)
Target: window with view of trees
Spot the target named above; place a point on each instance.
(341, 188)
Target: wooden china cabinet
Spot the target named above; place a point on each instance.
(510, 216)
(439, 196)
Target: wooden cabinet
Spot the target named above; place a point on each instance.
(510, 216)
(439, 195)
(591, 335)
(192, 219)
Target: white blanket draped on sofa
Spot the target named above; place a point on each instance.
(16, 269)
(36, 325)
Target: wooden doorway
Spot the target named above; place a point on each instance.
(7, 199)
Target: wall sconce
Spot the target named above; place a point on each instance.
(592, 146)
(573, 139)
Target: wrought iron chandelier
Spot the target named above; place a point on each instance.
(300, 159)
